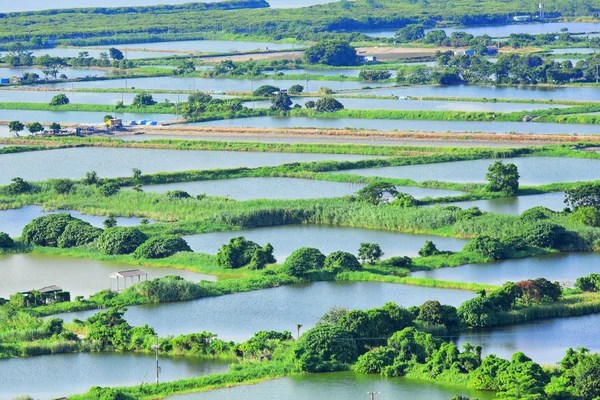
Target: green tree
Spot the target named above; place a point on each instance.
(199, 97)
(487, 246)
(545, 234)
(304, 260)
(339, 261)
(587, 376)
(137, 173)
(331, 52)
(583, 195)
(404, 200)
(479, 312)
(410, 33)
(281, 102)
(161, 247)
(265, 91)
(115, 54)
(295, 89)
(55, 127)
(429, 249)
(328, 104)
(309, 104)
(61, 186)
(120, 240)
(143, 100)
(45, 231)
(374, 75)
(585, 215)
(503, 178)
(240, 252)
(109, 189)
(110, 222)
(5, 241)
(377, 192)
(78, 233)
(369, 252)
(15, 127)
(91, 178)
(17, 186)
(59, 100)
(35, 127)
(325, 348)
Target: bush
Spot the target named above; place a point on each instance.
(120, 240)
(397, 262)
(590, 283)
(515, 242)
(177, 194)
(265, 91)
(487, 246)
(377, 192)
(5, 241)
(295, 89)
(545, 235)
(45, 231)
(78, 233)
(18, 186)
(331, 52)
(143, 99)
(341, 261)
(429, 249)
(304, 260)
(375, 360)
(369, 252)
(325, 348)
(109, 189)
(61, 186)
(161, 247)
(309, 104)
(584, 195)
(240, 252)
(503, 178)
(469, 213)
(59, 100)
(404, 200)
(535, 214)
(479, 312)
(589, 216)
(328, 104)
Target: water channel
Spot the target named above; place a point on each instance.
(515, 205)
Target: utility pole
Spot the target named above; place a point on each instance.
(298, 326)
(156, 347)
(373, 394)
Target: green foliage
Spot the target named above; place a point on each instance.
(503, 178)
(429, 249)
(469, 213)
(545, 234)
(328, 104)
(91, 178)
(375, 360)
(374, 75)
(78, 233)
(295, 89)
(46, 230)
(304, 260)
(331, 52)
(369, 252)
(61, 186)
(398, 262)
(177, 194)
(120, 240)
(432, 313)
(325, 348)
(583, 195)
(15, 127)
(411, 33)
(55, 127)
(310, 104)
(535, 214)
(17, 186)
(587, 215)
(341, 261)
(240, 252)
(479, 312)
(59, 100)
(265, 91)
(110, 222)
(590, 283)
(161, 247)
(5, 241)
(487, 246)
(281, 102)
(405, 200)
(109, 189)
(35, 127)
(143, 100)
(377, 192)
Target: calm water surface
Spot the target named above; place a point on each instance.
(13, 221)
(515, 205)
(338, 385)
(555, 267)
(544, 341)
(404, 125)
(238, 316)
(533, 170)
(81, 277)
(74, 163)
(81, 97)
(287, 239)
(57, 375)
(69, 72)
(202, 46)
(282, 188)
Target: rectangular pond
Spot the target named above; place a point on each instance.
(564, 267)
(112, 162)
(41, 96)
(281, 188)
(77, 117)
(57, 375)
(202, 46)
(404, 125)
(288, 238)
(533, 170)
(81, 277)
(69, 72)
(238, 316)
(12, 221)
(514, 205)
(337, 385)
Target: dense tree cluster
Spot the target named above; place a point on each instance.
(239, 253)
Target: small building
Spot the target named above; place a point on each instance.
(468, 52)
(115, 123)
(522, 18)
(130, 273)
(492, 50)
(50, 294)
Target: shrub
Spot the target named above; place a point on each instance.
(535, 214)
(265, 90)
(369, 252)
(503, 178)
(429, 249)
(404, 200)
(325, 348)
(397, 262)
(479, 312)
(377, 192)
(59, 100)
(91, 178)
(240, 252)
(584, 195)
(341, 261)
(589, 216)
(45, 231)
(120, 240)
(177, 194)
(5, 241)
(78, 233)
(375, 360)
(515, 242)
(590, 283)
(109, 188)
(304, 260)
(331, 52)
(487, 246)
(161, 247)
(310, 104)
(328, 104)
(469, 213)
(61, 186)
(17, 186)
(545, 235)
(143, 99)
(295, 89)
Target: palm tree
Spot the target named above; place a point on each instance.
(15, 127)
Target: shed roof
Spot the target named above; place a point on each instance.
(128, 274)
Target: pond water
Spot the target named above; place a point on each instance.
(515, 205)
(57, 375)
(281, 188)
(337, 385)
(12, 221)
(69, 72)
(506, 30)
(404, 125)
(493, 92)
(429, 105)
(112, 162)
(238, 316)
(78, 117)
(80, 277)
(201, 46)
(554, 267)
(575, 51)
(82, 97)
(212, 84)
(325, 72)
(533, 170)
(131, 55)
(288, 238)
(544, 341)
